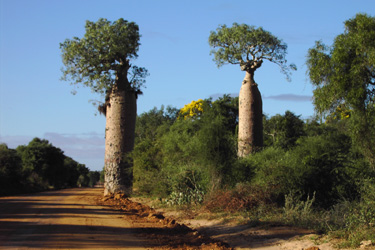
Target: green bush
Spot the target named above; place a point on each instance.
(298, 211)
(355, 221)
(272, 172)
(10, 170)
(167, 150)
(187, 184)
(318, 164)
(363, 212)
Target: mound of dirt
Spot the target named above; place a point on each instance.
(163, 232)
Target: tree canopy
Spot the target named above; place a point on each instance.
(103, 55)
(248, 46)
(344, 76)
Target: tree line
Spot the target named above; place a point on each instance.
(184, 152)
(40, 166)
(343, 76)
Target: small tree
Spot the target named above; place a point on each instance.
(284, 130)
(101, 60)
(248, 47)
(344, 77)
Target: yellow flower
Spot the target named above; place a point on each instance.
(193, 109)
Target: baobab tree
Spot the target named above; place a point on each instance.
(101, 60)
(248, 47)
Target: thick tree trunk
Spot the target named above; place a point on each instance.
(119, 141)
(250, 124)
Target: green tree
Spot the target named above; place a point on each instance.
(10, 170)
(248, 47)
(147, 156)
(94, 178)
(84, 178)
(101, 61)
(73, 174)
(344, 75)
(42, 163)
(284, 130)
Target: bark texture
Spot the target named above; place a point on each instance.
(119, 141)
(250, 124)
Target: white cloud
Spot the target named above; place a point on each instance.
(290, 98)
(282, 97)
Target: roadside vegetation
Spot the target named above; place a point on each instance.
(317, 173)
(40, 166)
(309, 173)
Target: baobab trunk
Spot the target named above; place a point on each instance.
(119, 141)
(250, 124)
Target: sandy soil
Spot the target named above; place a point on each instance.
(83, 219)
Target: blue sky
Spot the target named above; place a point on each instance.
(174, 48)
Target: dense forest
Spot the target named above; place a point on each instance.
(40, 166)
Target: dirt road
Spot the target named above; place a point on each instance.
(66, 219)
(82, 219)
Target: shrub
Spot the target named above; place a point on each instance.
(297, 211)
(271, 170)
(243, 197)
(319, 164)
(187, 184)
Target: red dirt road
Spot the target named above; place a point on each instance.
(65, 219)
(82, 219)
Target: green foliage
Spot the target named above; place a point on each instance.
(344, 74)
(147, 153)
(321, 164)
(171, 150)
(363, 213)
(297, 211)
(187, 184)
(353, 221)
(38, 166)
(45, 161)
(10, 170)
(310, 175)
(248, 46)
(103, 56)
(94, 177)
(283, 131)
(83, 178)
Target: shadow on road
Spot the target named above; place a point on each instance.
(63, 219)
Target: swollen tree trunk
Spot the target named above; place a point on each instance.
(119, 141)
(250, 124)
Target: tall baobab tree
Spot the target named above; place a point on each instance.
(248, 47)
(101, 60)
